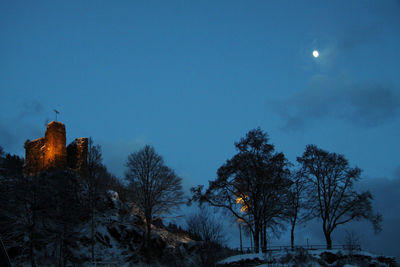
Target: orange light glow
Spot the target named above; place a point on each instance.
(240, 200)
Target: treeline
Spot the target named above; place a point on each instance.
(264, 191)
(258, 187)
(42, 216)
(45, 212)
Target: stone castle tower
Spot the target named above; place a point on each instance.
(50, 151)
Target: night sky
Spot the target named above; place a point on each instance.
(191, 78)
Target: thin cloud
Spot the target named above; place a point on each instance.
(7, 138)
(29, 108)
(16, 127)
(397, 172)
(359, 35)
(366, 104)
(353, 37)
(348, 41)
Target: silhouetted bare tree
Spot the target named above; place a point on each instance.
(205, 227)
(155, 188)
(336, 201)
(93, 180)
(300, 204)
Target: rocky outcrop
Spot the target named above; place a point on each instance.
(50, 151)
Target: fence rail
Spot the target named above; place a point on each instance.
(306, 247)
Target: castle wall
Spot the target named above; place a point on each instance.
(77, 154)
(34, 155)
(51, 151)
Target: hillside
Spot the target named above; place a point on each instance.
(119, 232)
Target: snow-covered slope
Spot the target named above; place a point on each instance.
(302, 257)
(119, 236)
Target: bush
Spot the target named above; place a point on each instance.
(301, 257)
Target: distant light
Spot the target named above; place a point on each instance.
(315, 53)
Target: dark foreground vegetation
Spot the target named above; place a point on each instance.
(62, 217)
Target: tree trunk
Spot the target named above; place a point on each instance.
(293, 222)
(264, 238)
(147, 246)
(256, 236)
(328, 240)
(92, 235)
(32, 230)
(31, 250)
(251, 242)
(292, 236)
(240, 233)
(148, 234)
(63, 250)
(60, 252)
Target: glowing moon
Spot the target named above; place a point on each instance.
(315, 53)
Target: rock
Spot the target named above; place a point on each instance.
(387, 260)
(329, 257)
(115, 232)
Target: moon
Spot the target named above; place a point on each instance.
(315, 53)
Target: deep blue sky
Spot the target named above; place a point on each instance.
(191, 78)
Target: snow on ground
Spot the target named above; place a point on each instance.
(276, 255)
(172, 239)
(313, 264)
(240, 257)
(252, 256)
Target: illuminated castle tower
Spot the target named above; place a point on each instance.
(55, 152)
(51, 152)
